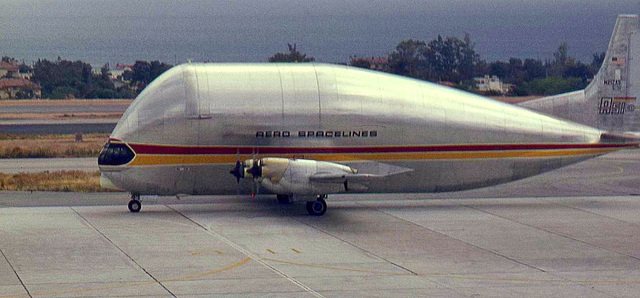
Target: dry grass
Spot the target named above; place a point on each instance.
(79, 115)
(75, 181)
(32, 146)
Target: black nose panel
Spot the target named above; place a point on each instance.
(115, 155)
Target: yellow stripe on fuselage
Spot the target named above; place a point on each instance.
(181, 159)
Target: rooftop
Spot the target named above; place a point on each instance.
(9, 66)
(20, 82)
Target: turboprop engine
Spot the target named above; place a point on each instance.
(293, 176)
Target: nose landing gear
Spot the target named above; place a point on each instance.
(134, 204)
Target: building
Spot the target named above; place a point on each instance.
(19, 88)
(117, 73)
(492, 84)
(9, 69)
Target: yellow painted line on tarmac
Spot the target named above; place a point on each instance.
(271, 251)
(219, 252)
(296, 251)
(232, 266)
(620, 169)
(131, 285)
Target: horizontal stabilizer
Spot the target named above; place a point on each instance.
(631, 138)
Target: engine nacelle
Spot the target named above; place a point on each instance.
(292, 176)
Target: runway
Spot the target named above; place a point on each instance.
(43, 127)
(33, 116)
(35, 165)
(573, 232)
(64, 106)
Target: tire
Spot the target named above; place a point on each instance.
(317, 207)
(135, 206)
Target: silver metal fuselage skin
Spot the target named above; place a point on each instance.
(191, 124)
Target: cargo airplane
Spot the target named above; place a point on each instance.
(304, 131)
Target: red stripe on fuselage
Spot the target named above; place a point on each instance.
(189, 150)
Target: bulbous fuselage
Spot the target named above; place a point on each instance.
(188, 128)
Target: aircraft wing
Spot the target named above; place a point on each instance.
(342, 178)
(374, 171)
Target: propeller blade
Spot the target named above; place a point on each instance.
(238, 171)
(256, 169)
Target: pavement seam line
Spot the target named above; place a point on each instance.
(250, 255)
(133, 284)
(355, 246)
(594, 213)
(16, 273)
(553, 233)
(123, 252)
(465, 242)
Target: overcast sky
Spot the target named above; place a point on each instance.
(331, 30)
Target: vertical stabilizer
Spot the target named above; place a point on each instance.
(610, 102)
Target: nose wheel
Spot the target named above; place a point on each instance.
(134, 204)
(317, 207)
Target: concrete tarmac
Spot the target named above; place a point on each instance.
(569, 233)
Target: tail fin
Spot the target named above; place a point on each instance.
(610, 102)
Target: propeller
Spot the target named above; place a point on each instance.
(238, 171)
(255, 170)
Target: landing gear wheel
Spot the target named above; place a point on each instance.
(284, 199)
(135, 206)
(317, 207)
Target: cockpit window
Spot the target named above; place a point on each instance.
(115, 155)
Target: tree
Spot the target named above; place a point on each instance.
(442, 59)
(62, 78)
(553, 85)
(292, 56)
(143, 72)
(596, 63)
(534, 69)
(499, 69)
(23, 68)
(74, 79)
(362, 63)
(579, 71)
(561, 61)
(469, 58)
(408, 59)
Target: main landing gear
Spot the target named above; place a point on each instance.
(317, 207)
(134, 204)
